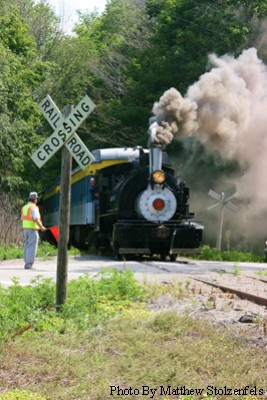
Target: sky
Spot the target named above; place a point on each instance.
(66, 9)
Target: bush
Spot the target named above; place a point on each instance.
(11, 252)
(92, 300)
(212, 254)
(89, 301)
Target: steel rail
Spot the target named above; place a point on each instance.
(256, 279)
(243, 295)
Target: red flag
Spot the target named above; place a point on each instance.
(55, 232)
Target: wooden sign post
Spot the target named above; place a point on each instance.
(64, 136)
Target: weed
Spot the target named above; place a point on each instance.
(262, 273)
(208, 305)
(187, 284)
(195, 302)
(257, 320)
(236, 270)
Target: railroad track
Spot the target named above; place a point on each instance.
(261, 300)
(249, 293)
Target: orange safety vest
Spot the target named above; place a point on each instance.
(26, 216)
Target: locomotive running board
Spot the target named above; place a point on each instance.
(195, 250)
(124, 250)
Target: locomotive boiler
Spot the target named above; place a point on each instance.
(130, 202)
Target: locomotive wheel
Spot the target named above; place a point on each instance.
(115, 250)
(163, 256)
(173, 257)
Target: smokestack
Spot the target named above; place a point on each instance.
(155, 149)
(155, 159)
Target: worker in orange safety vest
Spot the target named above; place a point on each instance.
(31, 223)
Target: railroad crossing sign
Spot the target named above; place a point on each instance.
(221, 198)
(64, 133)
(221, 201)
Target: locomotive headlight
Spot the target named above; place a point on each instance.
(158, 176)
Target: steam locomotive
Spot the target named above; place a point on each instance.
(127, 200)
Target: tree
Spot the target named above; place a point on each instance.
(21, 72)
(105, 46)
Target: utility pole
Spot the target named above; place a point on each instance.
(64, 222)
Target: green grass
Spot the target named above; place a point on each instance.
(134, 350)
(17, 394)
(212, 254)
(106, 338)
(89, 301)
(45, 250)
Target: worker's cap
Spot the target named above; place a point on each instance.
(33, 195)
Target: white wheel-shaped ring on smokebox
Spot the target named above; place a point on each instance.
(157, 204)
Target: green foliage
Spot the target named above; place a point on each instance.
(25, 307)
(167, 323)
(212, 254)
(45, 250)
(185, 33)
(154, 349)
(21, 73)
(14, 34)
(106, 47)
(12, 252)
(89, 301)
(263, 273)
(18, 394)
(112, 292)
(236, 270)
